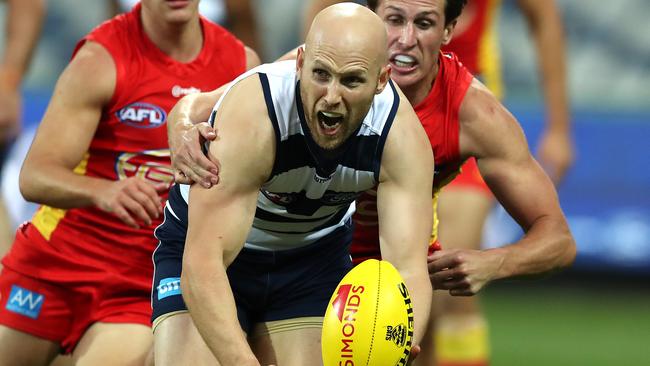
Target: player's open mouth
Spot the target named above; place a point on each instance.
(329, 122)
(403, 63)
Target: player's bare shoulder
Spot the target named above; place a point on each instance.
(246, 135)
(407, 142)
(91, 74)
(485, 124)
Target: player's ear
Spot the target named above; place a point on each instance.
(449, 32)
(300, 58)
(384, 76)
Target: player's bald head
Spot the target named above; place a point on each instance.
(343, 65)
(349, 27)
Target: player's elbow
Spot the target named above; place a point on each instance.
(189, 278)
(199, 272)
(566, 253)
(186, 287)
(570, 251)
(27, 184)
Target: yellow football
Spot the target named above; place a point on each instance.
(369, 319)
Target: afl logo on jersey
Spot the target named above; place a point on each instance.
(142, 115)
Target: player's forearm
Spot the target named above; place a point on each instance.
(419, 287)
(548, 32)
(209, 298)
(23, 29)
(547, 246)
(57, 186)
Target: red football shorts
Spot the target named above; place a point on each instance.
(58, 297)
(63, 314)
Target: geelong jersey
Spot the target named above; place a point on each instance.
(131, 138)
(308, 195)
(438, 113)
(475, 42)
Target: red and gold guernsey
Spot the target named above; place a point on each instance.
(438, 113)
(131, 140)
(475, 42)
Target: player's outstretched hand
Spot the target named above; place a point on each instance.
(132, 200)
(556, 154)
(463, 272)
(189, 163)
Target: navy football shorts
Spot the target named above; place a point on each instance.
(267, 285)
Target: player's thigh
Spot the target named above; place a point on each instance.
(19, 348)
(462, 213)
(123, 344)
(178, 342)
(62, 360)
(291, 342)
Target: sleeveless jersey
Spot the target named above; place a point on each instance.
(475, 42)
(130, 140)
(438, 113)
(308, 195)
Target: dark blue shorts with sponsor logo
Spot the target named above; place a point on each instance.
(267, 285)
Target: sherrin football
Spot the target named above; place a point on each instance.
(369, 319)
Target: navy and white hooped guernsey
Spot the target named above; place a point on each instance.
(309, 196)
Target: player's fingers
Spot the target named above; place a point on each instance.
(152, 191)
(186, 174)
(150, 202)
(461, 292)
(441, 263)
(439, 279)
(456, 284)
(192, 172)
(136, 209)
(181, 178)
(124, 215)
(206, 170)
(207, 131)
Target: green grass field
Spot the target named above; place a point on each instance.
(569, 322)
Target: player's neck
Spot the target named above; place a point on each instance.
(417, 92)
(181, 42)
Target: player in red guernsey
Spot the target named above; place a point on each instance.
(78, 277)
(464, 205)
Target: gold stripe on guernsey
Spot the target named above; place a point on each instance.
(436, 193)
(434, 229)
(47, 218)
(489, 56)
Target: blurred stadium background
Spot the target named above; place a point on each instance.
(597, 313)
